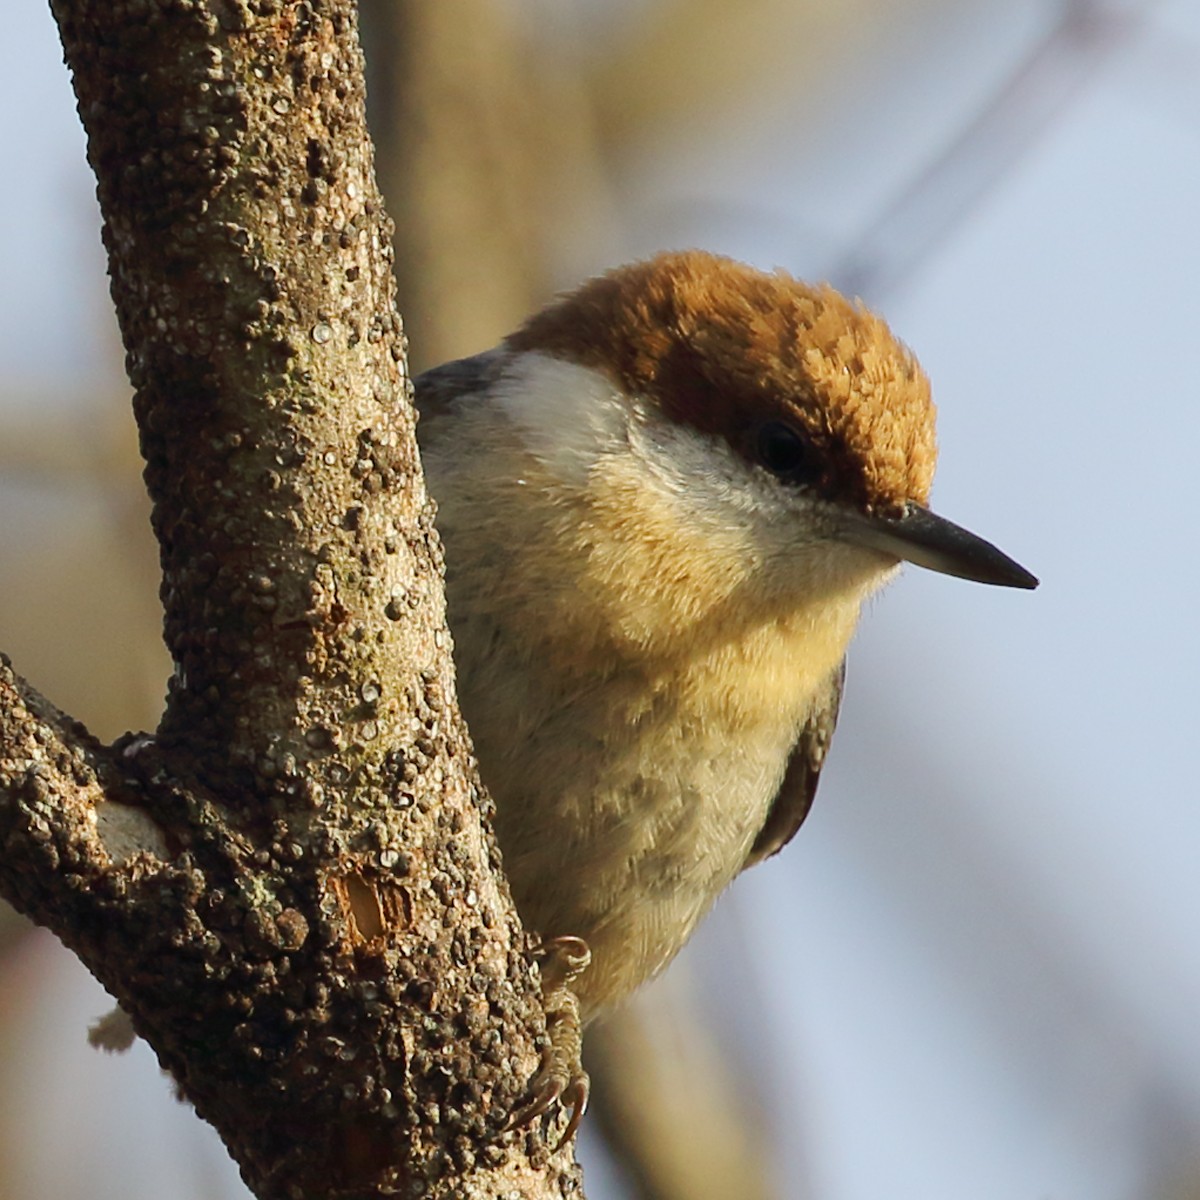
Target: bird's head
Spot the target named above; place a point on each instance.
(760, 401)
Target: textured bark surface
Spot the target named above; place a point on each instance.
(291, 885)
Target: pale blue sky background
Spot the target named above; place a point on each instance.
(976, 973)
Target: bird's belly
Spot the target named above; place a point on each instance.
(630, 856)
(629, 790)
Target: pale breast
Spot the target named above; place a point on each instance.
(626, 802)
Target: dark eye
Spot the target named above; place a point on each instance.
(785, 452)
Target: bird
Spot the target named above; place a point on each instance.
(663, 502)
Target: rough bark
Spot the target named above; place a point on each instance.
(292, 885)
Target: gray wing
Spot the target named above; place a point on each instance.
(799, 785)
(436, 389)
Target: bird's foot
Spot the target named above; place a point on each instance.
(561, 1081)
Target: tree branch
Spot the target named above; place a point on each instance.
(292, 886)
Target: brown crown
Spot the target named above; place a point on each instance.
(723, 347)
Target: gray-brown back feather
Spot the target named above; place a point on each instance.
(439, 387)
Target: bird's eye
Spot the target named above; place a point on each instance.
(786, 452)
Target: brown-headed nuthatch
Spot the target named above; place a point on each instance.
(664, 500)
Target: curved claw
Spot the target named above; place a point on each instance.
(546, 1091)
(575, 1097)
(550, 1090)
(561, 1079)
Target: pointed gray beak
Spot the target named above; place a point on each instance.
(921, 537)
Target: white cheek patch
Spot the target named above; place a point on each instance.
(717, 495)
(730, 519)
(574, 420)
(741, 519)
(682, 461)
(569, 416)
